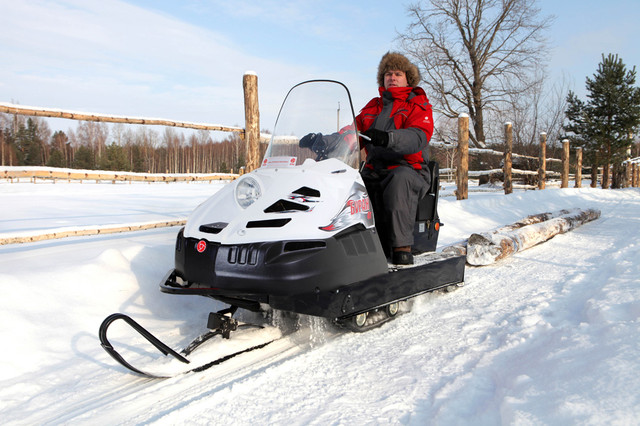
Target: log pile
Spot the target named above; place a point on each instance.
(489, 247)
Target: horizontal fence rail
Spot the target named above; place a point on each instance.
(87, 231)
(51, 173)
(90, 116)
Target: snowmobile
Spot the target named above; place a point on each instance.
(299, 234)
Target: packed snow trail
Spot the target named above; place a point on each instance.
(547, 336)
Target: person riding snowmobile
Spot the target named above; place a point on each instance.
(398, 125)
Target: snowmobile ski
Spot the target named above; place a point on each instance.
(226, 325)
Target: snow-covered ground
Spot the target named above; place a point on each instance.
(549, 336)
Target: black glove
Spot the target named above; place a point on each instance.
(309, 140)
(378, 137)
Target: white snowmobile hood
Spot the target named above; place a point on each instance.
(315, 200)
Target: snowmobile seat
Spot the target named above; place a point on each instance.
(427, 225)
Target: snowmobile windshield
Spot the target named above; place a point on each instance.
(316, 121)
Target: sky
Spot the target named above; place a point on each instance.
(185, 60)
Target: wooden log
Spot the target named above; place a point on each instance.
(565, 164)
(252, 120)
(508, 151)
(594, 176)
(542, 170)
(91, 230)
(462, 171)
(487, 248)
(91, 116)
(578, 183)
(460, 248)
(34, 173)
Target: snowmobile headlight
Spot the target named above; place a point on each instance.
(247, 191)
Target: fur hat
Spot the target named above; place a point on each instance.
(397, 61)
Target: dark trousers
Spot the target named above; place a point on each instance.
(394, 195)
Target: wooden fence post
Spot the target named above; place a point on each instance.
(508, 152)
(251, 120)
(565, 164)
(462, 171)
(578, 183)
(542, 169)
(594, 176)
(606, 173)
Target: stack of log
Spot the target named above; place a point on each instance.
(489, 247)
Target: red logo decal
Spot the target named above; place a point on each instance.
(201, 246)
(359, 206)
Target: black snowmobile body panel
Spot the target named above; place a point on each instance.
(375, 292)
(306, 284)
(280, 268)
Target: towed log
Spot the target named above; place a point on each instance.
(489, 247)
(460, 248)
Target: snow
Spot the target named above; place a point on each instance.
(548, 336)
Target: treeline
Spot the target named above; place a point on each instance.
(29, 141)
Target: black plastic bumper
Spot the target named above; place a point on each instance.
(342, 300)
(278, 268)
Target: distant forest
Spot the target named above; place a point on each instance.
(29, 141)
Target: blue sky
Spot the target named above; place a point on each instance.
(185, 60)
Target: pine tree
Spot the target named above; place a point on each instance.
(114, 158)
(604, 124)
(56, 159)
(84, 158)
(28, 145)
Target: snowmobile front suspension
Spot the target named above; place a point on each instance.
(219, 321)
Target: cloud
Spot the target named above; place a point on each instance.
(113, 57)
(184, 60)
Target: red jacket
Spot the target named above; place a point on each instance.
(404, 112)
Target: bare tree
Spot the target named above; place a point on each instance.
(474, 53)
(539, 109)
(93, 135)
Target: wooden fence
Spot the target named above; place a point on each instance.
(252, 136)
(250, 133)
(54, 174)
(463, 151)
